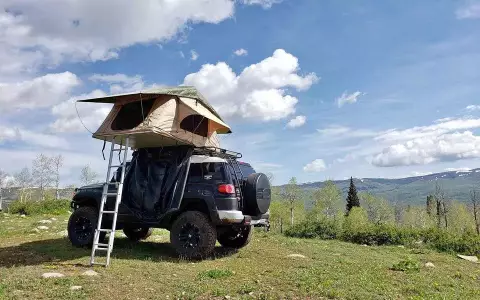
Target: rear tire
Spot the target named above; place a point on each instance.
(82, 225)
(137, 234)
(236, 238)
(193, 236)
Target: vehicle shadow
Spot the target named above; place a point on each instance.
(60, 251)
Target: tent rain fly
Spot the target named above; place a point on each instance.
(161, 117)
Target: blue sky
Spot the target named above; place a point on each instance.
(369, 88)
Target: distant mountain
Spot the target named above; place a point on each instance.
(412, 190)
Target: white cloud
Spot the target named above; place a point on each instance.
(194, 55)
(471, 10)
(31, 138)
(473, 107)
(429, 149)
(120, 83)
(258, 92)
(52, 31)
(240, 52)
(91, 114)
(263, 3)
(343, 132)
(440, 127)
(297, 122)
(458, 170)
(182, 55)
(348, 98)
(39, 92)
(317, 165)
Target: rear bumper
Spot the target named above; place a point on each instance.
(237, 217)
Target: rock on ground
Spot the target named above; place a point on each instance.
(44, 222)
(90, 273)
(469, 258)
(296, 256)
(53, 219)
(75, 288)
(42, 227)
(52, 275)
(429, 265)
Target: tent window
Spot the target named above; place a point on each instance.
(195, 123)
(130, 115)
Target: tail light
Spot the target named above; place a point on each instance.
(226, 189)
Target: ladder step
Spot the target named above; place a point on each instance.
(116, 166)
(119, 149)
(105, 230)
(111, 194)
(112, 183)
(99, 264)
(101, 249)
(101, 245)
(108, 211)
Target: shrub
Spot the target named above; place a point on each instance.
(324, 229)
(47, 206)
(406, 266)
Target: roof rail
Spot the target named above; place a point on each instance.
(219, 152)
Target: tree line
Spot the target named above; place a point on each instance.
(44, 176)
(440, 211)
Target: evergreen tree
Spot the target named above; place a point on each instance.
(352, 198)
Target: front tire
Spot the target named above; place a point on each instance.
(193, 236)
(236, 238)
(137, 234)
(81, 226)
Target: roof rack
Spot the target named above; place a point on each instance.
(219, 152)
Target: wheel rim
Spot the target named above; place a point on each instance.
(83, 229)
(189, 236)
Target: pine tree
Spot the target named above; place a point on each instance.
(352, 198)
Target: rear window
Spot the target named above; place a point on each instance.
(246, 169)
(206, 172)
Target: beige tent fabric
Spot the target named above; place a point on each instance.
(216, 124)
(161, 126)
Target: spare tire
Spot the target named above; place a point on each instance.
(256, 194)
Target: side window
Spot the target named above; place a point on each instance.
(206, 172)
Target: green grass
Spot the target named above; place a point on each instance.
(263, 270)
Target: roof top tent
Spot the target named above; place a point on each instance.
(161, 117)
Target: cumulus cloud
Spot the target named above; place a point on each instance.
(15, 134)
(317, 165)
(348, 98)
(297, 122)
(240, 52)
(39, 92)
(258, 92)
(52, 31)
(472, 107)
(120, 83)
(91, 114)
(470, 10)
(429, 149)
(193, 55)
(263, 3)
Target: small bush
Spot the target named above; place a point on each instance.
(406, 266)
(215, 274)
(47, 206)
(323, 229)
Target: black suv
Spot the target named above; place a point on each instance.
(208, 203)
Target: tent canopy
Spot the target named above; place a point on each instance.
(161, 117)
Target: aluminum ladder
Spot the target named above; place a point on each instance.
(238, 174)
(97, 246)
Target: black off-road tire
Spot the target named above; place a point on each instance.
(81, 226)
(236, 238)
(137, 234)
(193, 236)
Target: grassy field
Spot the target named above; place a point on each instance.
(263, 270)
